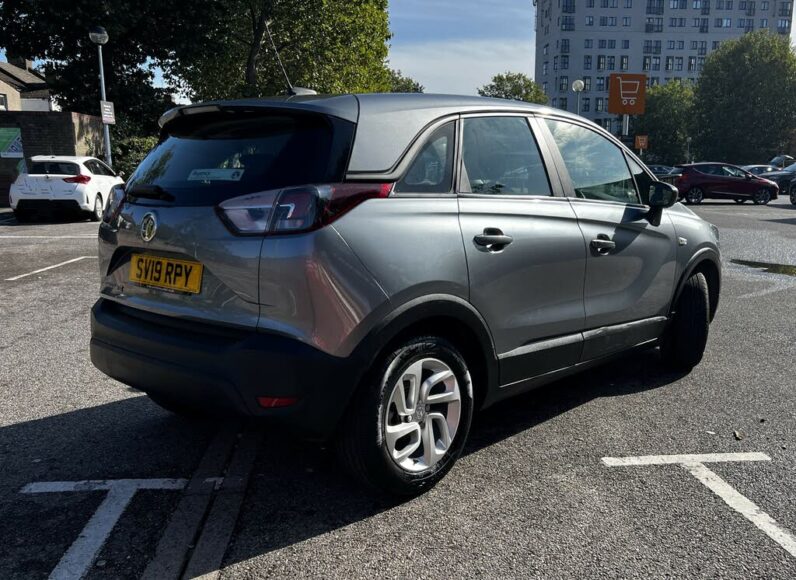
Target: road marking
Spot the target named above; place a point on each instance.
(207, 556)
(73, 260)
(669, 459)
(80, 556)
(81, 237)
(695, 465)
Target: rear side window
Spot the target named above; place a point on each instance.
(53, 168)
(596, 166)
(500, 157)
(219, 156)
(432, 169)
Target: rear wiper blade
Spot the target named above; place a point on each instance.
(149, 192)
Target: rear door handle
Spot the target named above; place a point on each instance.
(493, 239)
(602, 244)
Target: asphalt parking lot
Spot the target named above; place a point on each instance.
(95, 480)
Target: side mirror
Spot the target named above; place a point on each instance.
(662, 195)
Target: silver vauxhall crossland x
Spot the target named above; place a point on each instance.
(375, 268)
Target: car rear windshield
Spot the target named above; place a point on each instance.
(217, 156)
(53, 168)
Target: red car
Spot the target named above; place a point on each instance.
(700, 181)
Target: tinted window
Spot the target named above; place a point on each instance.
(732, 171)
(93, 167)
(432, 169)
(53, 168)
(103, 169)
(213, 157)
(596, 166)
(500, 157)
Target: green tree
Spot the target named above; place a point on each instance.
(401, 84)
(143, 33)
(745, 100)
(668, 121)
(516, 86)
(332, 46)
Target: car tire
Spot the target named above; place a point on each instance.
(96, 213)
(740, 200)
(793, 195)
(694, 196)
(762, 196)
(385, 434)
(686, 337)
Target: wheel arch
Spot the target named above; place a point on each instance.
(708, 263)
(448, 317)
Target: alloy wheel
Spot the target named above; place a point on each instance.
(422, 415)
(762, 196)
(694, 195)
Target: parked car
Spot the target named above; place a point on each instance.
(781, 161)
(659, 170)
(759, 169)
(372, 269)
(700, 181)
(60, 184)
(785, 180)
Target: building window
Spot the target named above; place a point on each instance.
(678, 63)
(3, 102)
(656, 63)
(600, 84)
(626, 21)
(611, 44)
(764, 5)
(545, 49)
(646, 63)
(586, 62)
(764, 23)
(603, 43)
(611, 62)
(691, 63)
(626, 45)
(588, 43)
(587, 84)
(563, 83)
(628, 3)
(589, 3)
(603, 21)
(624, 62)
(544, 87)
(670, 44)
(562, 103)
(565, 45)
(555, 63)
(590, 21)
(544, 68)
(585, 104)
(568, 23)
(680, 44)
(669, 63)
(612, 21)
(598, 104)
(564, 62)
(601, 62)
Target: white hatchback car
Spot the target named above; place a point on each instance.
(63, 184)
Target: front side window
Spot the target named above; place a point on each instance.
(500, 157)
(432, 169)
(596, 166)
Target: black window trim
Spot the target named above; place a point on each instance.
(417, 147)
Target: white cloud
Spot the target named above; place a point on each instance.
(461, 66)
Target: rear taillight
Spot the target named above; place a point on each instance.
(296, 209)
(78, 179)
(114, 205)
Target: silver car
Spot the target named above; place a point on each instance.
(373, 269)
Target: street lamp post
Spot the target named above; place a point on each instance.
(577, 86)
(99, 36)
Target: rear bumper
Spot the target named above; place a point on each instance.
(222, 370)
(47, 205)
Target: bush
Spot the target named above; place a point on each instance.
(128, 152)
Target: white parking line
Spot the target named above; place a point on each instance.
(50, 268)
(37, 237)
(78, 559)
(695, 465)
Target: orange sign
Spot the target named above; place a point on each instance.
(641, 141)
(627, 94)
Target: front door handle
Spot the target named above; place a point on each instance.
(602, 244)
(493, 239)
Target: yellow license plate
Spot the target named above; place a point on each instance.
(166, 273)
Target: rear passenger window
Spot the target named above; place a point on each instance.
(432, 169)
(500, 157)
(596, 166)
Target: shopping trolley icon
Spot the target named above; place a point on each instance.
(628, 91)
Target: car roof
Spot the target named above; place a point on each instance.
(387, 123)
(69, 158)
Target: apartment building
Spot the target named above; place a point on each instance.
(664, 39)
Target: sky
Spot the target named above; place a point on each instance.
(456, 46)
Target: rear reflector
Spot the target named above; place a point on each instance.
(78, 179)
(275, 402)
